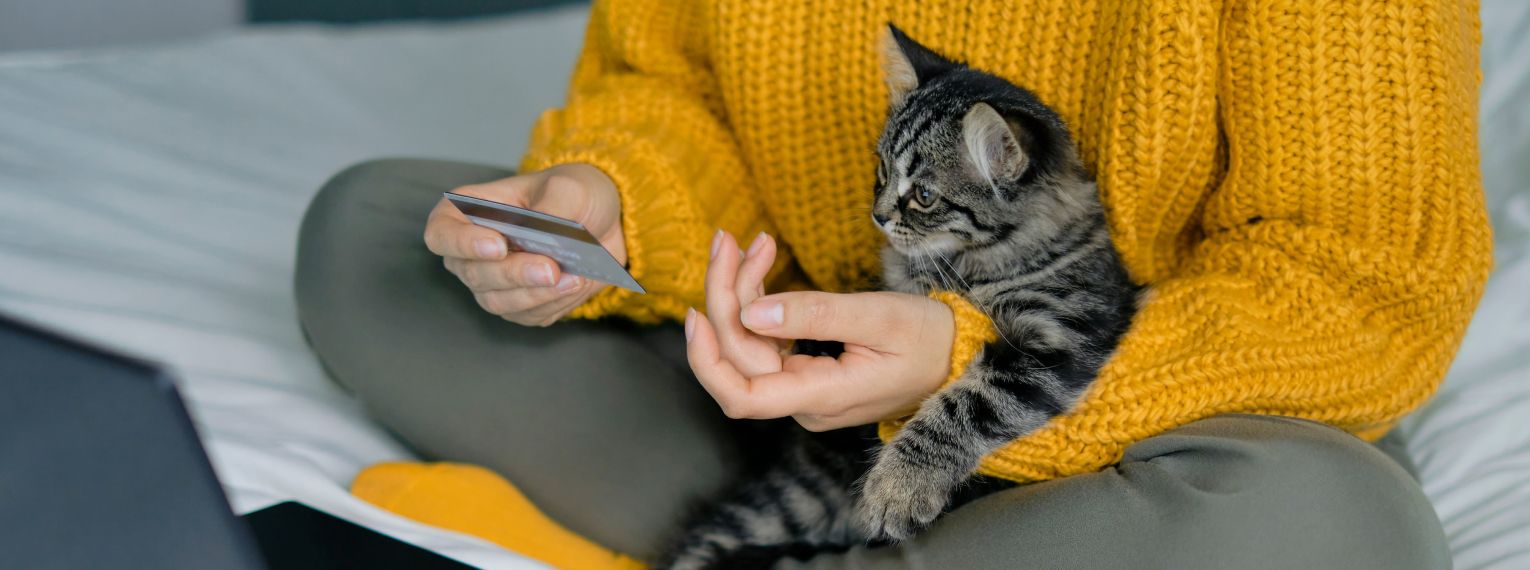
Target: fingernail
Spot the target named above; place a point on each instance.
(716, 241)
(690, 323)
(754, 246)
(489, 248)
(764, 315)
(539, 274)
(567, 282)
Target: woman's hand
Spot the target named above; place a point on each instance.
(524, 287)
(897, 347)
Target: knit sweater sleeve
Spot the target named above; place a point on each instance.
(1340, 256)
(644, 108)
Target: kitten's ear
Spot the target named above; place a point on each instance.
(906, 64)
(992, 145)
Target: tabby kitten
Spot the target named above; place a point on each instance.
(981, 192)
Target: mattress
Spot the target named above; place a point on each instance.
(150, 199)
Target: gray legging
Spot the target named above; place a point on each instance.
(602, 425)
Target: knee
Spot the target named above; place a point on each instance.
(341, 217)
(1317, 488)
(1226, 453)
(373, 169)
(356, 195)
(356, 180)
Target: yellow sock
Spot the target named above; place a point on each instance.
(476, 501)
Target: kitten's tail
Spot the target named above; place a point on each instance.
(799, 507)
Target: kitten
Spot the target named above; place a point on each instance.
(981, 192)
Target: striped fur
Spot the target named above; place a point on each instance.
(980, 191)
(802, 504)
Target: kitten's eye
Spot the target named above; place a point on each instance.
(925, 197)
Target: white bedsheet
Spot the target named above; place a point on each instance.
(149, 200)
(1471, 443)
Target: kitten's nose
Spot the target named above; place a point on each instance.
(879, 219)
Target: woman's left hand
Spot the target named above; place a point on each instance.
(897, 347)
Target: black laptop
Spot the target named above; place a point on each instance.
(100, 467)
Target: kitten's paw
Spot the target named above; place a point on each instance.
(898, 500)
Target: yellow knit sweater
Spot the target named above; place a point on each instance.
(1296, 180)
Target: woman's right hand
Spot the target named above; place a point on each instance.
(524, 287)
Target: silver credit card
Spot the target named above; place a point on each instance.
(575, 249)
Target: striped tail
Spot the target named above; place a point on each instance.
(799, 507)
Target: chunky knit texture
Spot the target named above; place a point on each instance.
(973, 330)
(1296, 180)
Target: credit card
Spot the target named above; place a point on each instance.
(575, 249)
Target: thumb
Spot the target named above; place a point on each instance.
(879, 320)
(569, 191)
(516, 190)
(586, 195)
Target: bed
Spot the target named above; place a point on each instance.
(229, 136)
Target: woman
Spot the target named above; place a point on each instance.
(1296, 183)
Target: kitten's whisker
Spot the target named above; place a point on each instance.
(918, 263)
(967, 287)
(944, 282)
(944, 279)
(925, 270)
(952, 266)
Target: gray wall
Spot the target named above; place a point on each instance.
(55, 24)
(374, 10)
(48, 24)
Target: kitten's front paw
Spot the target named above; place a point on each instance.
(898, 500)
